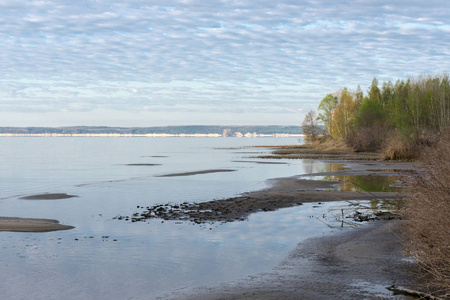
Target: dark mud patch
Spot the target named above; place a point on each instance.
(283, 193)
(229, 210)
(143, 165)
(197, 173)
(54, 196)
(393, 171)
(261, 162)
(239, 208)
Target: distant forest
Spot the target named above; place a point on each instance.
(396, 118)
(194, 129)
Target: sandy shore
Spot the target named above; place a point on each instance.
(31, 225)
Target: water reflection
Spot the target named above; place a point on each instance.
(364, 183)
(368, 183)
(106, 259)
(316, 166)
(352, 213)
(143, 260)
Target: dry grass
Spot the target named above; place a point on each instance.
(427, 225)
(396, 148)
(325, 148)
(328, 144)
(324, 145)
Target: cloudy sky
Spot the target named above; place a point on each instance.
(168, 62)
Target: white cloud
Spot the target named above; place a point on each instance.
(222, 55)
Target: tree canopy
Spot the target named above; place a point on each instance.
(413, 108)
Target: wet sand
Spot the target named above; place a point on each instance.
(197, 172)
(53, 196)
(31, 225)
(284, 192)
(35, 225)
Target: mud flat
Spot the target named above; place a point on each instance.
(31, 225)
(282, 193)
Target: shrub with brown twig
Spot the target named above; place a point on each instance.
(427, 225)
(397, 148)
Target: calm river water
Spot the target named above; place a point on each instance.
(104, 258)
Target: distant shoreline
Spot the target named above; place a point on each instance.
(161, 131)
(212, 135)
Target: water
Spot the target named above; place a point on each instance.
(364, 183)
(103, 258)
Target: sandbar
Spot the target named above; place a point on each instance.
(143, 165)
(260, 162)
(31, 225)
(49, 196)
(197, 172)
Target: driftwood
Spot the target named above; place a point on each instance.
(408, 292)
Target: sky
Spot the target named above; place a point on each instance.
(185, 62)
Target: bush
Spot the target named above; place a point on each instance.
(396, 147)
(427, 213)
(368, 139)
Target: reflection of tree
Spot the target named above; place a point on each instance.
(352, 213)
(375, 183)
(365, 183)
(330, 167)
(314, 166)
(335, 167)
(374, 203)
(309, 168)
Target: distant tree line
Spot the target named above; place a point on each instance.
(409, 111)
(191, 129)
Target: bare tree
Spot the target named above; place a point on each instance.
(311, 128)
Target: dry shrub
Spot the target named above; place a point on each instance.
(368, 139)
(427, 225)
(328, 144)
(397, 148)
